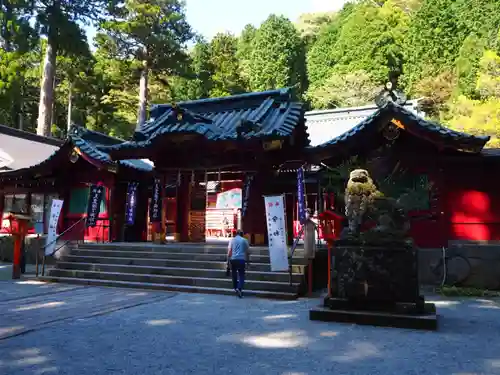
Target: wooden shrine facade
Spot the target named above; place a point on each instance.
(68, 174)
(212, 140)
(263, 136)
(448, 174)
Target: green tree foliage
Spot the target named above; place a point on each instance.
(18, 42)
(310, 25)
(226, 76)
(481, 116)
(467, 63)
(60, 21)
(198, 83)
(320, 57)
(366, 39)
(344, 90)
(154, 33)
(113, 90)
(435, 92)
(439, 30)
(488, 76)
(446, 50)
(244, 52)
(372, 40)
(278, 57)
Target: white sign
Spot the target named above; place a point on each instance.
(276, 232)
(55, 212)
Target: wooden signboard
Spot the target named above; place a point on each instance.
(197, 213)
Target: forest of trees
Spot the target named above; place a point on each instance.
(444, 52)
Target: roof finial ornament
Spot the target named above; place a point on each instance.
(390, 93)
(177, 111)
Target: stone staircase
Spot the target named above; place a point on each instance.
(194, 268)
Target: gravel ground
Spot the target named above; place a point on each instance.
(39, 305)
(204, 334)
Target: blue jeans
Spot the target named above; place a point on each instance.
(238, 273)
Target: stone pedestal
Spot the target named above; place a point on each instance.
(379, 273)
(376, 284)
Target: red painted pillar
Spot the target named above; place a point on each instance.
(254, 223)
(289, 199)
(182, 219)
(18, 230)
(16, 260)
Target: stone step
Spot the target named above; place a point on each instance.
(167, 287)
(139, 246)
(471, 243)
(151, 262)
(174, 256)
(176, 248)
(224, 283)
(177, 271)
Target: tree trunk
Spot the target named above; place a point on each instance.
(47, 91)
(20, 119)
(70, 105)
(54, 106)
(5, 34)
(143, 98)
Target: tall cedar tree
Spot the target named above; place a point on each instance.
(59, 21)
(278, 57)
(153, 33)
(17, 40)
(226, 70)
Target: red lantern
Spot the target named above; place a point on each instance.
(330, 225)
(19, 225)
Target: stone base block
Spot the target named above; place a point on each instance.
(426, 321)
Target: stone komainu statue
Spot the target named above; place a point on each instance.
(360, 194)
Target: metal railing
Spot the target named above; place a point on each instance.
(294, 247)
(83, 219)
(442, 270)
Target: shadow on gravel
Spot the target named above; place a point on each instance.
(34, 359)
(205, 334)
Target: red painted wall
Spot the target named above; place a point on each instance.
(101, 233)
(473, 202)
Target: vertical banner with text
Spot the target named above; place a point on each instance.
(301, 196)
(55, 212)
(246, 194)
(131, 203)
(94, 205)
(155, 209)
(276, 232)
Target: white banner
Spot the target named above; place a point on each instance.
(55, 212)
(276, 232)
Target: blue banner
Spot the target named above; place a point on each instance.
(301, 196)
(246, 194)
(131, 203)
(94, 204)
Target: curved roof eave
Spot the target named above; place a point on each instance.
(454, 139)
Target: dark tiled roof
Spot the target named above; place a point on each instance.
(415, 124)
(90, 143)
(491, 152)
(254, 115)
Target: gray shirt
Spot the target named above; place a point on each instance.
(239, 246)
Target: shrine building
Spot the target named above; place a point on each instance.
(213, 160)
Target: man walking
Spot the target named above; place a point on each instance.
(238, 254)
